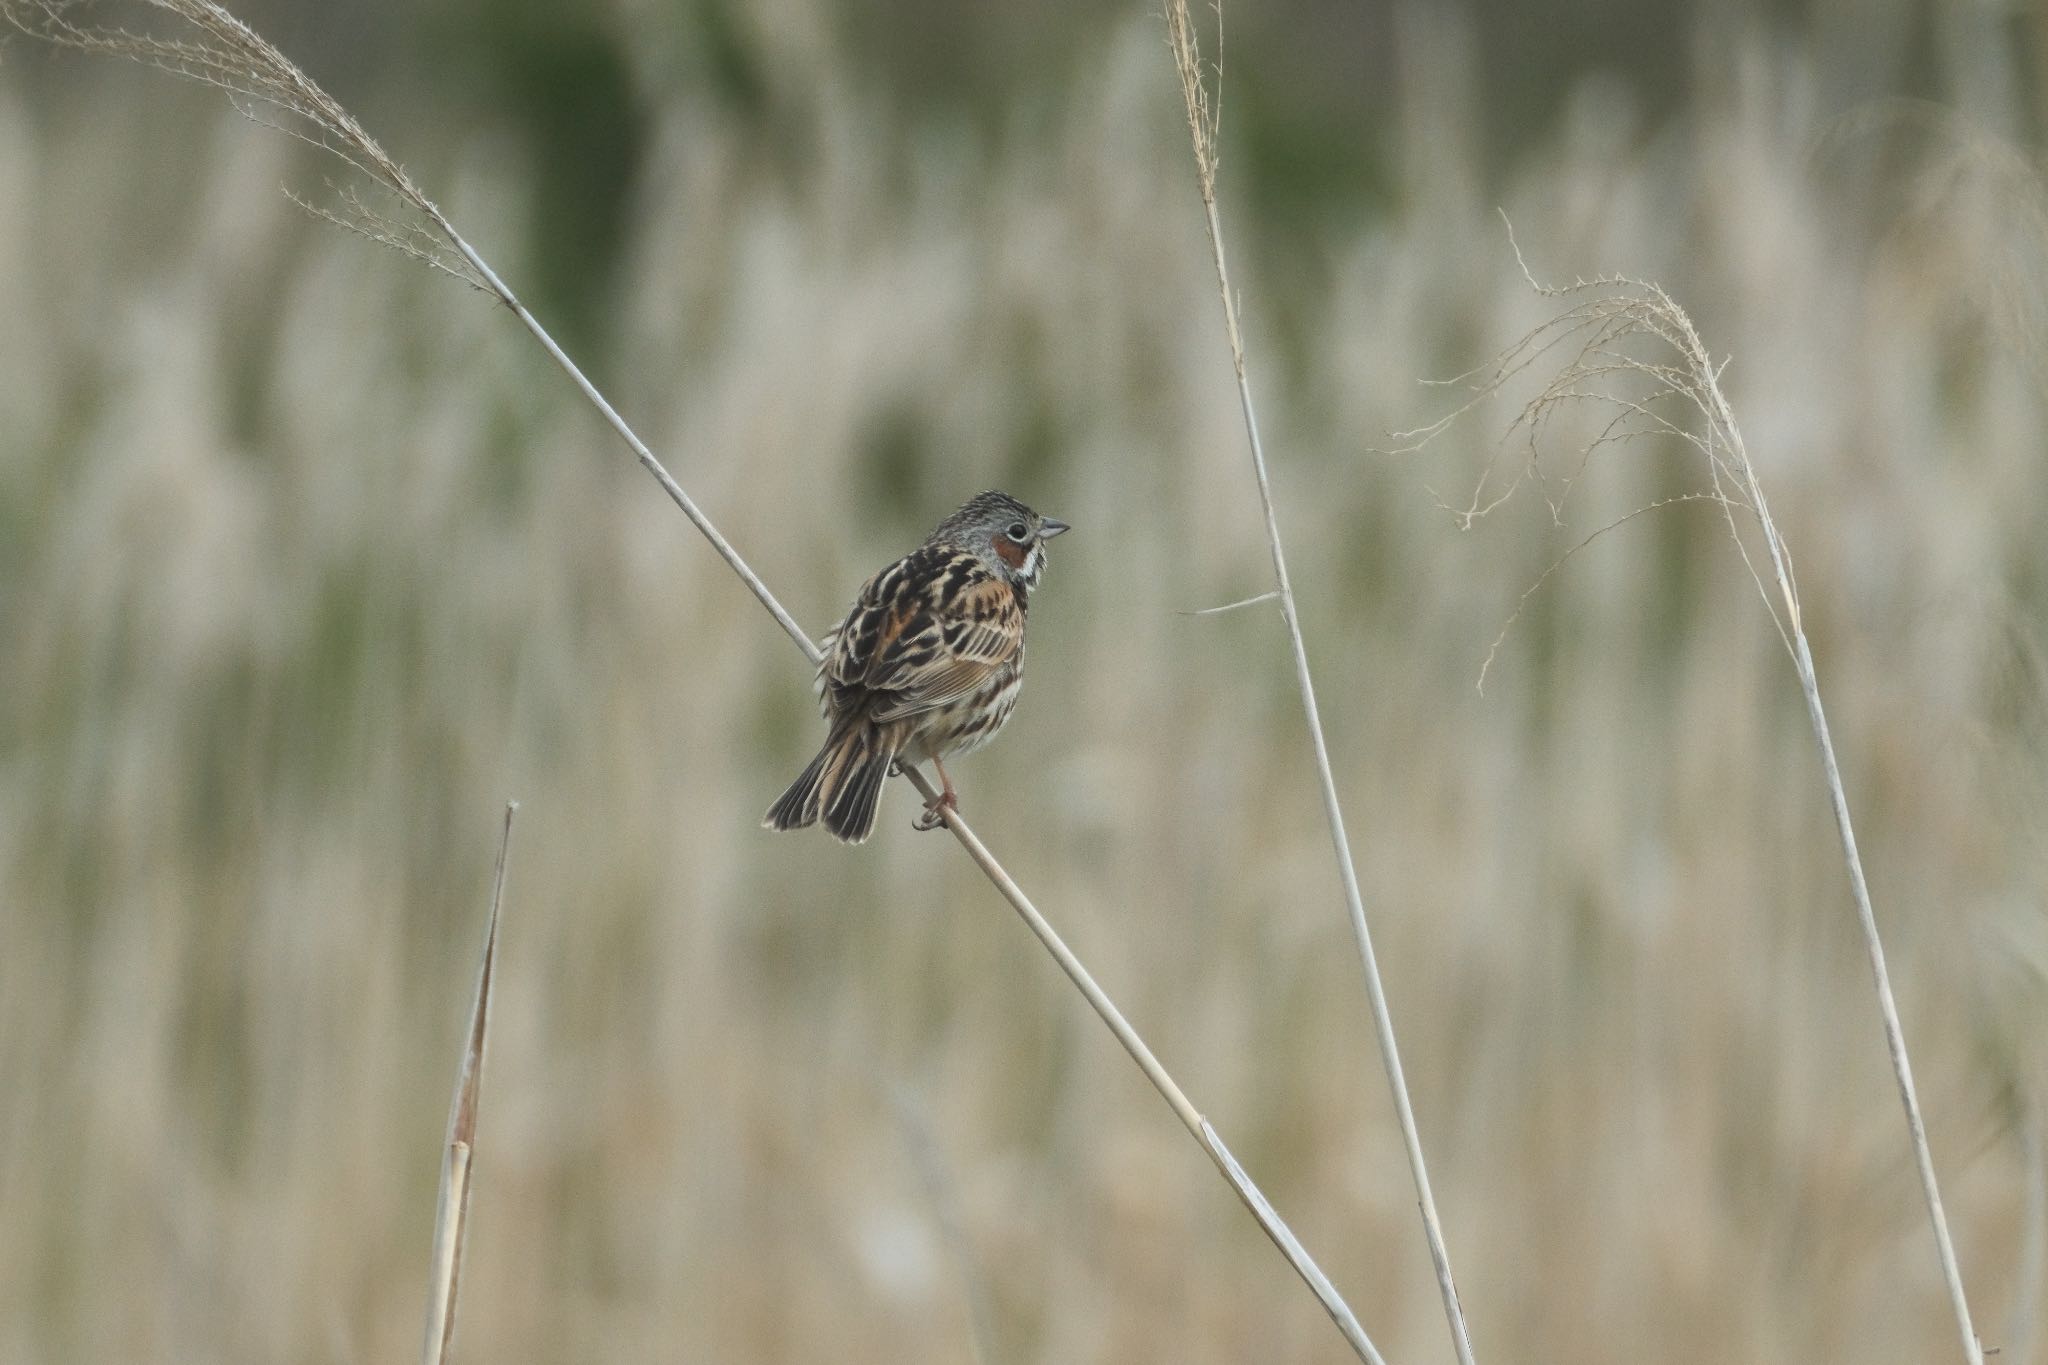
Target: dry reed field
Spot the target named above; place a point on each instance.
(310, 561)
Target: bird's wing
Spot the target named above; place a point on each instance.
(927, 631)
(947, 659)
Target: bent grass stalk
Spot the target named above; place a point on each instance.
(265, 85)
(1603, 335)
(1202, 119)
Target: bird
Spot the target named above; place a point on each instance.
(927, 664)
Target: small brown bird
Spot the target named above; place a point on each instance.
(927, 664)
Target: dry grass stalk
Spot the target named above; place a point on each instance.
(267, 87)
(451, 1218)
(1630, 348)
(1202, 118)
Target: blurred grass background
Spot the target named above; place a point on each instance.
(308, 561)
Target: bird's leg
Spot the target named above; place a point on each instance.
(944, 801)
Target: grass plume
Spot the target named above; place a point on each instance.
(219, 50)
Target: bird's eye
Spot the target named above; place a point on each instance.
(1019, 532)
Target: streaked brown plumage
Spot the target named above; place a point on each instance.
(926, 665)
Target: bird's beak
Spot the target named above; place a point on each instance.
(1051, 527)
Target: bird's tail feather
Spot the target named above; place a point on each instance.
(798, 806)
(857, 784)
(842, 785)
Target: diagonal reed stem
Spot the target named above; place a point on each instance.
(1202, 128)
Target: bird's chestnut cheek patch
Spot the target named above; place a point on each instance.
(1011, 552)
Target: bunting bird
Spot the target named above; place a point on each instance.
(926, 665)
